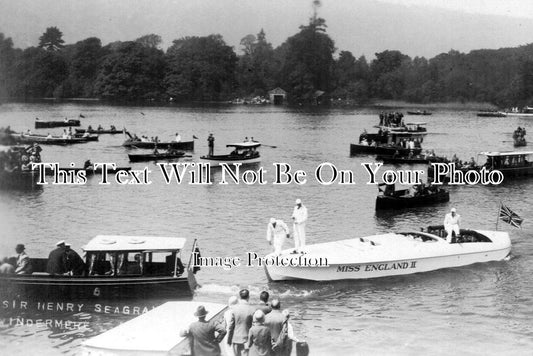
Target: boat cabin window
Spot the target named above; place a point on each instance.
(134, 263)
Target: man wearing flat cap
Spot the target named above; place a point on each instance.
(299, 217)
(277, 232)
(23, 261)
(56, 261)
(451, 224)
(206, 335)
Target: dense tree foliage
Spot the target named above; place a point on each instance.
(306, 65)
(132, 72)
(200, 68)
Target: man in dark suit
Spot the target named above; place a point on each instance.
(263, 302)
(275, 320)
(240, 323)
(206, 335)
(56, 259)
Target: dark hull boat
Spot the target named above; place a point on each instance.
(418, 112)
(48, 124)
(183, 145)
(87, 138)
(388, 150)
(44, 140)
(422, 159)
(19, 180)
(88, 172)
(154, 156)
(402, 200)
(149, 280)
(491, 114)
(99, 132)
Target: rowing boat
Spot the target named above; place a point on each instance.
(48, 124)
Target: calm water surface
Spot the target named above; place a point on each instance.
(479, 309)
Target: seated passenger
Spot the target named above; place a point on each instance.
(23, 261)
(6, 267)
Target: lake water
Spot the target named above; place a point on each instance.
(479, 309)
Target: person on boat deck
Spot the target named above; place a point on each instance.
(6, 267)
(23, 261)
(65, 120)
(155, 150)
(25, 163)
(100, 128)
(113, 128)
(56, 265)
(206, 335)
(49, 135)
(87, 164)
(211, 144)
(74, 265)
(451, 224)
(64, 135)
(299, 217)
(178, 137)
(89, 128)
(277, 232)
(28, 132)
(86, 134)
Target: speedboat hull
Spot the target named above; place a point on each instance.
(389, 255)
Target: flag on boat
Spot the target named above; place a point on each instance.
(510, 216)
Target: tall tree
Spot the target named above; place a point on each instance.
(308, 62)
(7, 58)
(52, 39)
(151, 40)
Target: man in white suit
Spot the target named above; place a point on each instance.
(299, 217)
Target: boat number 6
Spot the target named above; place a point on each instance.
(96, 292)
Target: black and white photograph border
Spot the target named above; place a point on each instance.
(266, 177)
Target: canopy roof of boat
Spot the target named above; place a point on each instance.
(507, 153)
(134, 243)
(134, 335)
(244, 145)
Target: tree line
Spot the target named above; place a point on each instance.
(307, 66)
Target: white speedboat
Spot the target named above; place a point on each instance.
(388, 254)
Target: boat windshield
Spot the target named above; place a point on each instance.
(419, 236)
(465, 235)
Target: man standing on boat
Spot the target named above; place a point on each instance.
(23, 261)
(451, 224)
(299, 217)
(211, 144)
(206, 335)
(277, 231)
(56, 260)
(178, 137)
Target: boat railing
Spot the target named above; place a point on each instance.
(193, 251)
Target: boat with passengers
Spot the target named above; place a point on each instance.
(39, 124)
(511, 163)
(389, 254)
(389, 143)
(418, 195)
(115, 268)
(243, 153)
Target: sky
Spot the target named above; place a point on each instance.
(364, 27)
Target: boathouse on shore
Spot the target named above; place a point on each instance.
(277, 96)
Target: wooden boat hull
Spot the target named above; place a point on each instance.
(43, 140)
(88, 138)
(49, 124)
(229, 159)
(518, 114)
(356, 149)
(20, 180)
(46, 288)
(419, 113)
(183, 145)
(391, 202)
(99, 132)
(385, 256)
(154, 157)
(88, 172)
(491, 114)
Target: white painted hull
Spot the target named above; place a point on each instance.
(518, 114)
(353, 259)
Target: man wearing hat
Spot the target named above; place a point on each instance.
(56, 259)
(73, 263)
(277, 232)
(299, 217)
(451, 224)
(23, 261)
(206, 335)
(211, 144)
